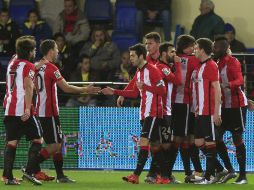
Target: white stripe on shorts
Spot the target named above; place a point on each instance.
(54, 128)
(37, 126)
(187, 120)
(213, 129)
(151, 128)
(241, 113)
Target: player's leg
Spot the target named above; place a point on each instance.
(240, 146)
(147, 126)
(14, 131)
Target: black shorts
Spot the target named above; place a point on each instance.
(16, 128)
(51, 127)
(165, 129)
(180, 119)
(233, 120)
(150, 129)
(205, 128)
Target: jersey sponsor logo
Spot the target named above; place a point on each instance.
(57, 74)
(160, 83)
(31, 74)
(166, 71)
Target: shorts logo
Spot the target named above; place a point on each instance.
(160, 83)
(31, 74)
(57, 74)
(166, 71)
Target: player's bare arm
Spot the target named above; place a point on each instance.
(76, 90)
(29, 86)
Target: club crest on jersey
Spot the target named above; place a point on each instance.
(57, 74)
(160, 83)
(31, 74)
(166, 71)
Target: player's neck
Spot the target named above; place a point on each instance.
(204, 58)
(48, 58)
(141, 65)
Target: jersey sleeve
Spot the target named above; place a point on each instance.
(55, 74)
(131, 92)
(29, 71)
(235, 70)
(157, 84)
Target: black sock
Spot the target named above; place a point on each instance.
(9, 157)
(241, 159)
(154, 167)
(223, 153)
(210, 161)
(173, 155)
(195, 158)
(142, 158)
(218, 166)
(160, 158)
(33, 162)
(33, 152)
(58, 163)
(185, 154)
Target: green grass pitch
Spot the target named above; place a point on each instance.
(111, 180)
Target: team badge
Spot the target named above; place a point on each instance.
(166, 71)
(57, 74)
(160, 83)
(31, 74)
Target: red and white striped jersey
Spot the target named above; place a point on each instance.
(230, 73)
(17, 71)
(169, 78)
(206, 74)
(151, 94)
(182, 93)
(47, 100)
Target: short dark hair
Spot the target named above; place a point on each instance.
(47, 45)
(140, 49)
(83, 56)
(59, 34)
(35, 11)
(223, 41)
(154, 35)
(183, 42)
(164, 47)
(74, 1)
(24, 45)
(205, 44)
(4, 10)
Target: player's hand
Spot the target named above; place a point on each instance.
(250, 105)
(26, 115)
(177, 59)
(140, 85)
(107, 91)
(90, 89)
(217, 119)
(120, 101)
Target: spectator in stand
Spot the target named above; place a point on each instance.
(9, 32)
(105, 56)
(124, 71)
(65, 61)
(36, 27)
(152, 10)
(72, 23)
(207, 24)
(83, 74)
(235, 45)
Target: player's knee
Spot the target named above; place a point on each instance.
(155, 147)
(237, 139)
